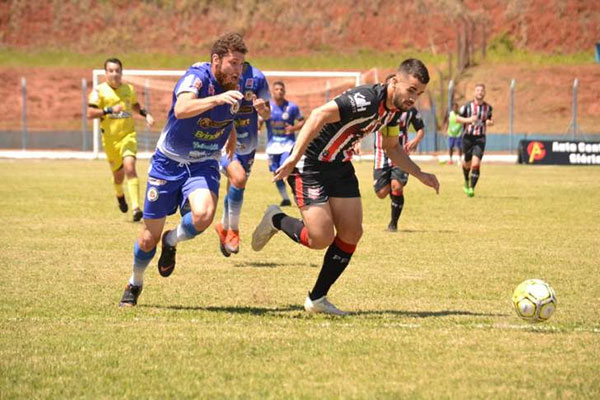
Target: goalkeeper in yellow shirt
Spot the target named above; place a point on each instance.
(114, 103)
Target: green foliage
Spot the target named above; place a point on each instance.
(432, 304)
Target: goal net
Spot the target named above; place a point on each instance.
(154, 88)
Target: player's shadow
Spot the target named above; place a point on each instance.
(426, 314)
(257, 264)
(400, 231)
(228, 309)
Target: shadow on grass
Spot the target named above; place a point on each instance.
(427, 314)
(229, 310)
(270, 265)
(296, 308)
(401, 230)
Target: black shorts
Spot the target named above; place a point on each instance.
(383, 177)
(473, 146)
(315, 182)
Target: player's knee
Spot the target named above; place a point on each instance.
(321, 240)
(202, 219)
(147, 242)
(383, 192)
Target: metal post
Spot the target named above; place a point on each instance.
(147, 107)
(574, 110)
(450, 95)
(327, 89)
(83, 114)
(511, 115)
(24, 113)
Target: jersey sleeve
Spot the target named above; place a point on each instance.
(489, 116)
(296, 112)
(263, 89)
(356, 103)
(417, 122)
(134, 99)
(190, 83)
(463, 111)
(94, 99)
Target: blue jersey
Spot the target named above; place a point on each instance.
(201, 137)
(281, 116)
(252, 83)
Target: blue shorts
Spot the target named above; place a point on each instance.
(455, 141)
(275, 160)
(246, 160)
(170, 183)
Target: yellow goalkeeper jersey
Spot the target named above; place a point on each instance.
(116, 124)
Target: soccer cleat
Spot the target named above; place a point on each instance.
(166, 262)
(130, 295)
(285, 203)
(137, 215)
(322, 305)
(122, 204)
(466, 189)
(222, 236)
(265, 230)
(470, 192)
(392, 227)
(232, 242)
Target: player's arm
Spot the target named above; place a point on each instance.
(189, 105)
(144, 113)
(291, 129)
(399, 157)
(262, 107)
(412, 145)
(325, 114)
(489, 121)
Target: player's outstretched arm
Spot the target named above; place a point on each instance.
(399, 157)
(325, 114)
(188, 105)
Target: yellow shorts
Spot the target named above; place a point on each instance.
(118, 148)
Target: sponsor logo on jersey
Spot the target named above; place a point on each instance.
(249, 83)
(209, 123)
(248, 95)
(203, 135)
(246, 110)
(359, 102)
(242, 123)
(285, 115)
(156, 182)
(152, 194)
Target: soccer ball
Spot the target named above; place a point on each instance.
(534, 300)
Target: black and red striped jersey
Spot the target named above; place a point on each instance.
(483, 112)
(362, 112)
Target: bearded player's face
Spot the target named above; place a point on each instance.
(407, 90)
(228, 69)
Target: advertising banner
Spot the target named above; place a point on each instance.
(559, 152)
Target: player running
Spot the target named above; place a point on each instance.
(387, 177)
(323, 180)
(477, 116)
(185, 165)
(114, 103)
(255, 103)
(285, 121)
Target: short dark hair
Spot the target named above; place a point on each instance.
(280, 83)
(480, 84)
(113, 60)
(415, 68)
(228, 42)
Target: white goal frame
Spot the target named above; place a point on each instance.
(97, 73)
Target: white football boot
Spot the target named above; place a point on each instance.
(265, 230)
(322, 305)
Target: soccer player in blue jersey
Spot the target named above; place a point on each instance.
(185, 164)
(255, 88)
(285, 121)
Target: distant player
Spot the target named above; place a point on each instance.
(454, 132)
(255, 88)
(114, 103)
(185, 165)
(477, 116)
(323, 180)
(388, 178)
(285, 121)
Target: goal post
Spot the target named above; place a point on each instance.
(308, 88)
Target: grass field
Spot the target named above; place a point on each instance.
(432, 314)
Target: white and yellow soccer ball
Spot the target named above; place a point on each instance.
(534, 300)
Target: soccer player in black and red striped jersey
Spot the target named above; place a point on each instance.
(476, 116)
(323, 180)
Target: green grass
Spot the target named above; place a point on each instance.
(432, 316)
